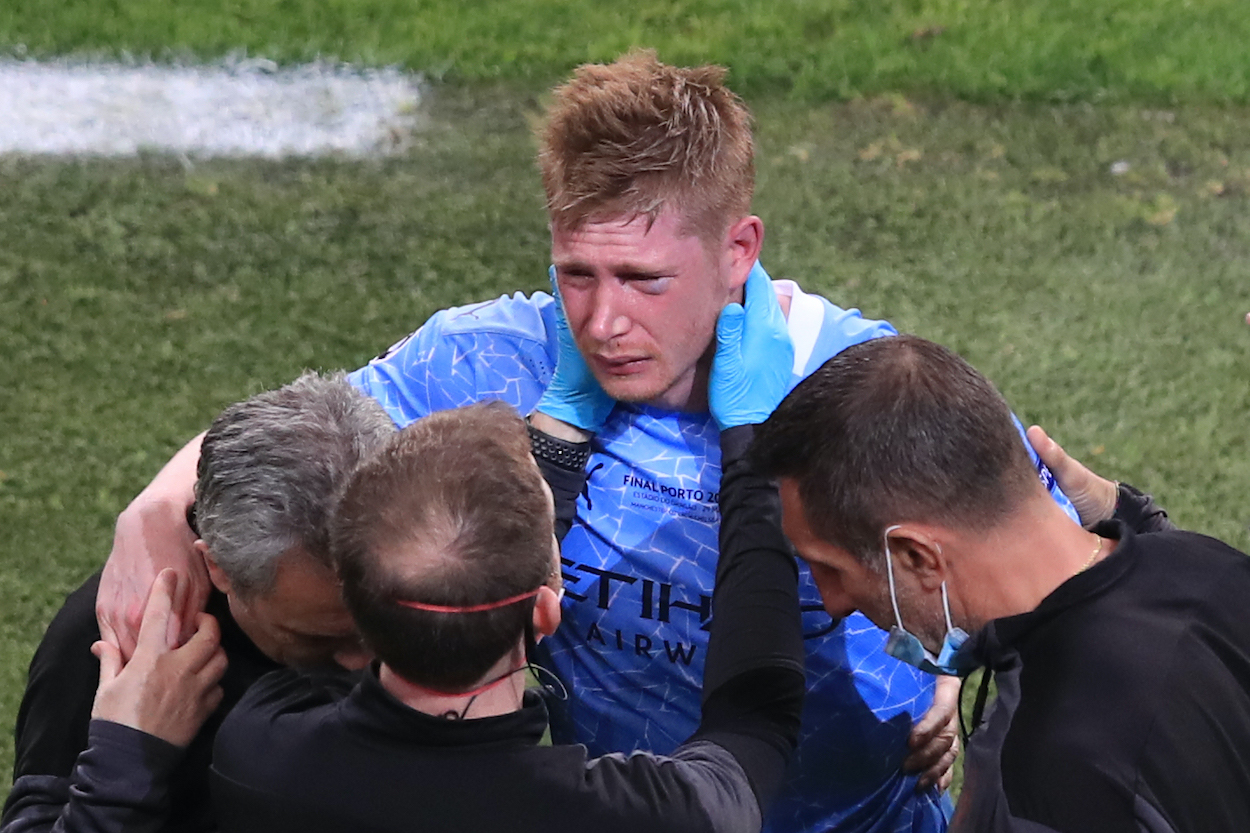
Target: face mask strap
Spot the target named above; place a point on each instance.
(889, 572)
(946, 608)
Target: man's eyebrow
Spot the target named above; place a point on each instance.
(625, 271)
(633, 273)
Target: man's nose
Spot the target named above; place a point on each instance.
(838, 605)
(607, 314)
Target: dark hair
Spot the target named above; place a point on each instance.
(891, 430)
(451, 512)
(271, 468)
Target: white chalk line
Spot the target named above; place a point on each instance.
(240, 108)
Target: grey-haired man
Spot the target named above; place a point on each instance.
(134, 755)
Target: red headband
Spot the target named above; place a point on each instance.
(472, 608)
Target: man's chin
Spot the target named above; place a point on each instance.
(633, 389)
(631, 392)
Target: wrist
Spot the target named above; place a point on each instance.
(563, 454)
(558, 428)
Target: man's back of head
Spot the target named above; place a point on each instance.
(442, 540)
(896, 429)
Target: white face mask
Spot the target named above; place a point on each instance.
(907, 647)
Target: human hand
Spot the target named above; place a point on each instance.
(754, 357)
(573, 395)
(1093, 496)
(149, 537)
(934, 741)
(164, 690)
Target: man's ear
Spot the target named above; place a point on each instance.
(917, 550)
(743, 242)
(546, 612)
(215, 574)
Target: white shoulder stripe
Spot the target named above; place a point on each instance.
(807, 314)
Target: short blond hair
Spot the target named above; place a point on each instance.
(631, 137)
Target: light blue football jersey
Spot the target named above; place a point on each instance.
(639, 564)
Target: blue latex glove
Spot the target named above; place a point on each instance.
(754, 357)
(573, 395)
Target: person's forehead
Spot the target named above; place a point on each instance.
(636, 234)
(798, 529)
(793, 512)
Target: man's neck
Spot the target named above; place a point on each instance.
(483, 700)
(1022, 561)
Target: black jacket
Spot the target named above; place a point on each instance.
(1124, 698)
(297, 755)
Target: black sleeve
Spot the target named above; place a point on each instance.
(753, 681)
(1139, 512)
(60, 688)
(120, 784)
(566, 482)
(71, 773)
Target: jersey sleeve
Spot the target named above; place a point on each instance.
(503, 349)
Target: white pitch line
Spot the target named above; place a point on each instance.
(248, 108)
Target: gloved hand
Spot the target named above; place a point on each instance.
(754, 357)
(574, 395)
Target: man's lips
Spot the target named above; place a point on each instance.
(621, 365)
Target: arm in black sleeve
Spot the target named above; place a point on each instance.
(753, 680)
(120, 784)
(563, 465)
(1139, 512)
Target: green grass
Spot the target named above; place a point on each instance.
(139, 297)
(1060, 50)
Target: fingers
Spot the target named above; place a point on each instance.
(729, 327)
(213, 670)
(110, 657)
(197, 588)
(174, 635)
(155, 628)
(200, 649)
(1051, 452)
(761, 299)
(555, 289)
(942, 771)
(944, 782)
(939, 715)
(934, 760)
(1093, 496)
(934, 739)
(119, 633)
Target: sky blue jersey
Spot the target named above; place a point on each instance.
(640, 559)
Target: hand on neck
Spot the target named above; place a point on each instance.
(498, 692)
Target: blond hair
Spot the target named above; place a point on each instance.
(631, 137)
